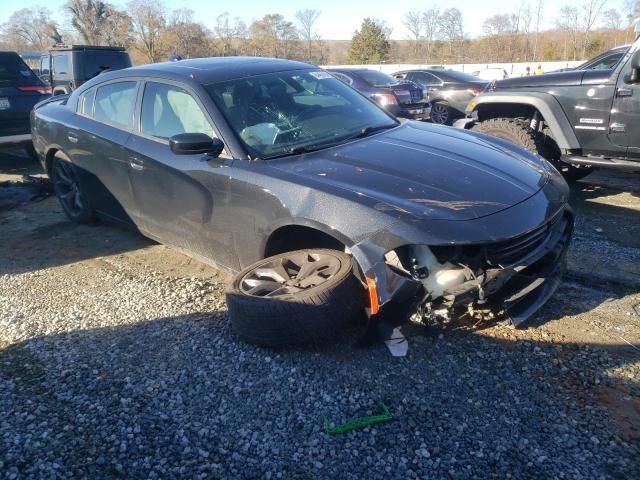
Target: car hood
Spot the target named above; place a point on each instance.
(546, 80)
(426, 171)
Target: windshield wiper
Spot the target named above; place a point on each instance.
(366, 131)
(363, 132)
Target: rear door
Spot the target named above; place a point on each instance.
(183, 199)
(20, 90)
(96, 144)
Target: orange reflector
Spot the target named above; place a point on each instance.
(373, 296)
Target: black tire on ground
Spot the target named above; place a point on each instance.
(67, 187)
(306, 316)
(518, 131)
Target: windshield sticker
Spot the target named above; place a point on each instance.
(320, 75)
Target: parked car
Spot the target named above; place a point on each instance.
(449, 91)
(66, 67)
(605, 61)
(402, 99)
(324, 202)
(578, 120)
(20, 90)
(491, 74)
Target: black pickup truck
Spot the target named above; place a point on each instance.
(579, 120)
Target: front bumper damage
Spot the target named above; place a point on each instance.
(518, 288)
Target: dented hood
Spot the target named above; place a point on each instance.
(430, 172)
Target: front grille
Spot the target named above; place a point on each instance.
(510, 251)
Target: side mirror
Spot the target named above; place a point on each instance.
(634, 73)
(195, 143)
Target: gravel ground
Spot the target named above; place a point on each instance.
(117, 361)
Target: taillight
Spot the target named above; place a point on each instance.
(475, 90)
(41, 89)
(385, 99)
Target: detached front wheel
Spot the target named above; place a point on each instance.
(296, 297)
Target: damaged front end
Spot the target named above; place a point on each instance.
(514, 277)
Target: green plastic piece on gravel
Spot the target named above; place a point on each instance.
(362, 422)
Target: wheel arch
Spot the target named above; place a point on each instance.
(49, 156)
(525, 105)
(298, 235)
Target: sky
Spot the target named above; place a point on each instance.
(339, 19)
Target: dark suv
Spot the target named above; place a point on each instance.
(20, 90)
(578, 120)
(66, 67)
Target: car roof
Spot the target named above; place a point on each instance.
(215, 69)
(62, 48)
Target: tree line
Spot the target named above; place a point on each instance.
(152, 33)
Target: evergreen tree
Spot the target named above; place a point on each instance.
(369, 44)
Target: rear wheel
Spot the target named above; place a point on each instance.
(75, 202)
(295, 297)
(441, 113)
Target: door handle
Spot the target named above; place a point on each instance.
(136, 163)
(72, 138)
(624, 92)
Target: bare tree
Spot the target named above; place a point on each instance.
(431, 22)
(307, 19)
(31, 29)
(413, 21)
(591, 14)
(273, 36)
(501, 29)
(537, 21)
(149, 19)
(612, 20)
(100, 23)
(569, 20)
(230, 35)
(451, 26)
(184, 36)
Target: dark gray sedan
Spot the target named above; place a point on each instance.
(234, 160)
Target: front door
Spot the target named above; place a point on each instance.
(624, 129)
(183, 199)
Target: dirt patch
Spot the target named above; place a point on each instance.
(623, 407)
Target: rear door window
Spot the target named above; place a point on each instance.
(114, 103)
(61, 67)
(93, 63)
(168, 110)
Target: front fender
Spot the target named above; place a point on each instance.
(546, 104)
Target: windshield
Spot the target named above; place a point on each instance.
(377, 79)
(286, 112)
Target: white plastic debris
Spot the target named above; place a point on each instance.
(397, 344)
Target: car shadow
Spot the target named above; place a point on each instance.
(161, 385)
